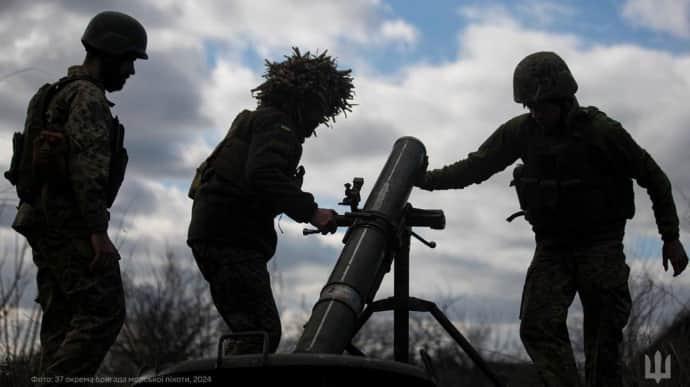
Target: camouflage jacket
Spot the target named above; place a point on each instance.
(514, 139)
(78, 206)
(249, 179)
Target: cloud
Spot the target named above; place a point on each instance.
(168, 99)
(226, 93)
(546, 12)
(669, 16)
(206, 56)
(452, 107)
(270, 28)
(399, 30)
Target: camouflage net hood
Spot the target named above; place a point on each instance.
(541, 76)
(302, 81)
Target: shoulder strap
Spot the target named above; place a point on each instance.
(45, 99)
(231, 134)
(21, 171)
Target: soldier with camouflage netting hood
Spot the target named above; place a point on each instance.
(575, 189)
(68, 165)
(253, 175)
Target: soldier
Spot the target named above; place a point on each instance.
(68, 165)
(575, 189)
(251, 177)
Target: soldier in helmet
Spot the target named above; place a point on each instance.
(575, 189)
(68, 165)
(252, 176)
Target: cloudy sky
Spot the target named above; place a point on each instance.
(439, 72)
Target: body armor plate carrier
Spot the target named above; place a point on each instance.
(569, 180)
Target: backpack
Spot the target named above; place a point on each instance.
(39, 152)
(240, 149)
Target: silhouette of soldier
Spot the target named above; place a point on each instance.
(575, 188)
(68, 165)
(251, 177)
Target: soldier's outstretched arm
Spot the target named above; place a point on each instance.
(500, 150)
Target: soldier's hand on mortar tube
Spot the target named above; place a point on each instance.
(422, 181)
(104, 251)
(673, 251)
(324, 220)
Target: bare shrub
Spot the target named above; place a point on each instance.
(169, 319)
(19, 325)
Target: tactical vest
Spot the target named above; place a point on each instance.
(570, 180)
(229, 158)
(118, 160)
(39, 153)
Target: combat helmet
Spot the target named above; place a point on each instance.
(115, 33)
(541, 76)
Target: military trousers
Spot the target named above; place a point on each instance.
(241, 290)
(599, 275)
(83, 311)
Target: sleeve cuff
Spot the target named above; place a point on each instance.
(305, 213)
(670, 236)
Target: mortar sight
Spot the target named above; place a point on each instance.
(352, 194)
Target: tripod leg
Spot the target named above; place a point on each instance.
(463, 343)
(401, 293)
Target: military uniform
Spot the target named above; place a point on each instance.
(83, 311)
(249, 179)
(575, 188)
